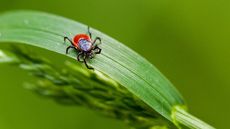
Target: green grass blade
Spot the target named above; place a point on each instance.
(117, 61)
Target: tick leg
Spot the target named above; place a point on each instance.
(97, 38)
(67, 49)
(90, 35)
(78, 56)
(66, 38)
(86, 63)
(98, 50)
(90, 55)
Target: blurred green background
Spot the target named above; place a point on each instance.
(187, 40)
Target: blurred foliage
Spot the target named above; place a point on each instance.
(187, 40)
(72, 85)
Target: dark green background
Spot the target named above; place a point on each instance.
(187, 40)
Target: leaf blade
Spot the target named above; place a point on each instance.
(119, 62)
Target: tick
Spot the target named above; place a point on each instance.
(85, 46)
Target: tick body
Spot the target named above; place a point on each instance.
(85, 46)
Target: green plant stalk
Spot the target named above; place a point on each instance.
(127, 68)
(188, 120)
(72, 85)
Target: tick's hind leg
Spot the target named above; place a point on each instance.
(90, 35)
(80, 54)
(67, 49)
(86, 63)
(66, 38)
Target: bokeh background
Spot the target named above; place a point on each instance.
(187, 40)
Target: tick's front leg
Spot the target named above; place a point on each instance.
(97, 38)
(98, 50)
